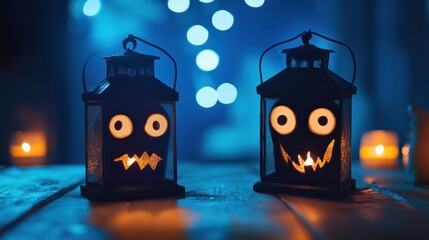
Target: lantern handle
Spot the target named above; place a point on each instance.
(84, 70)
(271, 47)
(306, 36)
(343, 44)
(131, 38)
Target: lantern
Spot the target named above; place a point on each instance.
(379, 149)
(131, 130)
(305, 125)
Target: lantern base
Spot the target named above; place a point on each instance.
(161, 190)
(306, 190)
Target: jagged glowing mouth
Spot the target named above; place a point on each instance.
(300, 166)
(142, 161)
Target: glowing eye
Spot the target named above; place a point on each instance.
(120, 126)
(321, 121)
(156, 125)
(283, 120)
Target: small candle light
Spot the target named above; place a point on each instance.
(379, 149)
(28, 148)
(405, 154)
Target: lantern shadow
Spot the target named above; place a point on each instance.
(148, 219)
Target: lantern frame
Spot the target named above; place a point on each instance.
(125, 162)
(307, 69)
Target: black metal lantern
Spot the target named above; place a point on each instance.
(306, 125)
(131, 130)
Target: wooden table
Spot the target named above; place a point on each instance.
(45, 203)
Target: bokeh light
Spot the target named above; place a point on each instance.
(206, 97)
(206, 1)
(222, 20)
(255, 3)
(197, 35)
(207, 60)
(227, 93)
(91, 7)
(178, 6)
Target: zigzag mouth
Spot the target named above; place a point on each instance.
(300, 166)
(142, 161)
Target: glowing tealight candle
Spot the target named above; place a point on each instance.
(27, 148)
(379, 149)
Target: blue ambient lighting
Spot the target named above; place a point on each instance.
(206, 1)
(222, 20)
(178, 6)
(197, 35)
(206, 97)
(91, 7)
(207, 60)
(227, 93)
(255, 3)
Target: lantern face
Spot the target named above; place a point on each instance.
(138, 143)
(304, 139)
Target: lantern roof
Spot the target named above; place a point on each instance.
(316, 82)
(147, 88)
(307, 50)
(131, 56)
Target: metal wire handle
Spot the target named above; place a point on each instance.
(131, 38)
(306, 36)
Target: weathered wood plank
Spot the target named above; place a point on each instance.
(65, 218)
(373, 212)
(24, 190)
(396, 184)
(220, 204)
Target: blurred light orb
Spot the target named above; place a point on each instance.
(207, 60)
(206, 97)
(227, 93)
(206, 1)
(91, 7)
(255, 3)
(222, 20)
(197, 35)
(178, 6)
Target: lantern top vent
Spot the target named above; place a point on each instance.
(307, 56)
(131, 77)
(130, 64)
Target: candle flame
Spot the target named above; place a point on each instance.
(309, 161)
(379, 149)
(26, 147)
(130, 161)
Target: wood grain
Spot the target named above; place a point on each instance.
(25, 190)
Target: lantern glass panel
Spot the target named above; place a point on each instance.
(346, 105)
(171, 155)
(94, 146)
(268, 148)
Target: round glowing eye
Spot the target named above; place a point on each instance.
(156, 125)
(120, 126)
(283, 120)
(321, 121)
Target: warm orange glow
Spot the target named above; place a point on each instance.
(28, 148)
(142, 161)
(405, 154)
(300, 166)
(379, 149)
